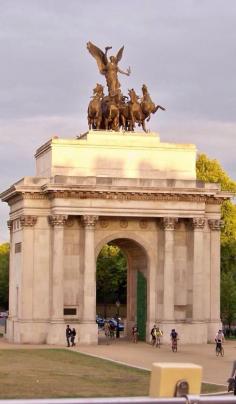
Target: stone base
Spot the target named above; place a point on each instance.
(88, 334)
(26, 332)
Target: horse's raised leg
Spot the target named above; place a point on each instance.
(144, 126)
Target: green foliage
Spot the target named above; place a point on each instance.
(4, 274)
(228, 298)
(111, 275)
(211, 171)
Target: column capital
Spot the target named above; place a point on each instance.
(28, 220)
(57, 220)
(169, 222)
(198, 222)
(215, 224)
(10, 224)
(89, 221)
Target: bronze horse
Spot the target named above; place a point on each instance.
(147, 105)
(136, 112)
(95, 108)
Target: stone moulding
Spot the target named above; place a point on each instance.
(160, 196)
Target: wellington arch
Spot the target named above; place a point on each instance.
(126, 188)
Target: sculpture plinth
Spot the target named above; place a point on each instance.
(117, 154)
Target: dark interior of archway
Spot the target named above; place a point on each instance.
(111, 281)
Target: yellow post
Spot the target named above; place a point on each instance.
(165, 376)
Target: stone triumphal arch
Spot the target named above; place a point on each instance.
(123, 188)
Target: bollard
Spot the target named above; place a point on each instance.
(175, 379)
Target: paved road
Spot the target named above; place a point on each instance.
(215, 370)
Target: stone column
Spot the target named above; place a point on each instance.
(56, 333)
(11, 274)
(88, 328)
(215, 226)
(27, 267)
(168, 292)
(198, 268)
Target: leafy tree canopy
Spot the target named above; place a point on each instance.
(211, 171)
(111, 275)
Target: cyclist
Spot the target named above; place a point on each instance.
(219, 338)
(174, 338)
(159, 334)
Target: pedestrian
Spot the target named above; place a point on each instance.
(68, 335)
(232, 380)
(135, 333)
(73, 334)
(153, 334)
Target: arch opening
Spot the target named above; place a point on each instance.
(122, 277)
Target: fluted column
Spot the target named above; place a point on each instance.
(27, 267)
(57, 307)
(12, 281)
(89, 301)
(168, 292)
(215, 226)
(198, 268)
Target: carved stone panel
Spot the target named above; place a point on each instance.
(89, 221)
(198, 222)
(169, 223)
(57, 220)
(215, 224)
(28, 220)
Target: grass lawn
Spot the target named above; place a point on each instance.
(52, 373)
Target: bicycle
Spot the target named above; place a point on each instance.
(174, 345)
(219, 349)
(158, 342)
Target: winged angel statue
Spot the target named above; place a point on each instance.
(109, 68)
(115, 110)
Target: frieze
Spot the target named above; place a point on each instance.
(103, 223)
(28, 220)
(89, 221)
(57, 220)
(198, 222)
(215, 224)
(169, 223)
(143, 224)
(123, 223)
(123, 196)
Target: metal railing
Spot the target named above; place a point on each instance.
(189, 399)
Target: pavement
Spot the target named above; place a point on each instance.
(215, 369)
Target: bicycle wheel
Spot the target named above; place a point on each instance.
(222, 352)
(217, 351)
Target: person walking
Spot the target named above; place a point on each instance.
(153, 335)
(68, 335)
(73, 334)
(135, 334)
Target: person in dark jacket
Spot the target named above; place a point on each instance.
(72, 339)
(68, 335)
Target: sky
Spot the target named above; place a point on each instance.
(183, 50)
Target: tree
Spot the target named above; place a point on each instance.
(111, 276)
(211, 171)
(4, 274)
(228, 298)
